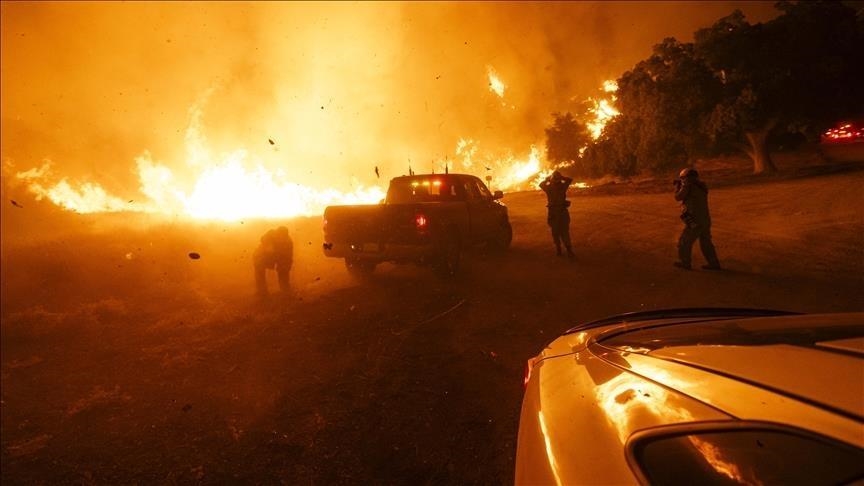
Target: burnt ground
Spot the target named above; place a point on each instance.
(124, 361)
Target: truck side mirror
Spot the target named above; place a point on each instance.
(497, 195)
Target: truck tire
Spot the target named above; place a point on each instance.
(502, 238)
(359, 268)
(449, 255)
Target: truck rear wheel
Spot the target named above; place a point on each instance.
(450, 252)
(359, 268)
(502, 238)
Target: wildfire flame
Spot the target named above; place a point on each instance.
(228, 189)
(237, 185)
(227, 192)
(234, 188)
(507, 172)
(603, 110)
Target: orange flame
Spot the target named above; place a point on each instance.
(506, 172)
(237, 185)
(229, 189)
(603, 110)
(86, 198)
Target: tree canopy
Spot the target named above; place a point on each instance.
(733, 87)
(565, 138)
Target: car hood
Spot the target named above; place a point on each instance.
(814, 358)
(800, 369)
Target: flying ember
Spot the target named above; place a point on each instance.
(495, 84)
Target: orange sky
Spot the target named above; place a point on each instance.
(339, 87)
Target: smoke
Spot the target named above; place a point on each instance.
(320, 92)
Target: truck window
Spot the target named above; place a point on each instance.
(484, 191)
(471, 192)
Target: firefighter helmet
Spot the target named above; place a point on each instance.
(688, 172)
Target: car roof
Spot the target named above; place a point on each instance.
(798, 329)
(678, 314)
(427, 176)
(815, 359)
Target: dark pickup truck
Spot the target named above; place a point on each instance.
(425, 219)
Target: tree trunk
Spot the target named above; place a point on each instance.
(758, 152)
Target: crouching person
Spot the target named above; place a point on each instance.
(275, 252)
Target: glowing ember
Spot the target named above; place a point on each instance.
(495, 84)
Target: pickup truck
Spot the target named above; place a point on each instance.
(426, 219)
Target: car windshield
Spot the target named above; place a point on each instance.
(746, 456)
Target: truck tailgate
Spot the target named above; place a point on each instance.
(395, 232)
(357, 224)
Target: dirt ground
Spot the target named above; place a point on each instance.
(125, 361)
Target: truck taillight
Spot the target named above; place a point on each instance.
(421, 221)
(324, 223)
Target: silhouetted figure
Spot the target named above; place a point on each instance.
(558, 216)
(693, 194)
(275, 252)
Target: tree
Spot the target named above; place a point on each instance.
(735, 86)
(565, 138)
(611, 153)
(664, 103)
(794, 73)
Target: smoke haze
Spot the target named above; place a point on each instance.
(338, 88)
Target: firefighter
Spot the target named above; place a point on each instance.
(275, 252)
(558, 216)
(693, 194)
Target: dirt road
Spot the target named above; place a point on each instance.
(123, 361)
